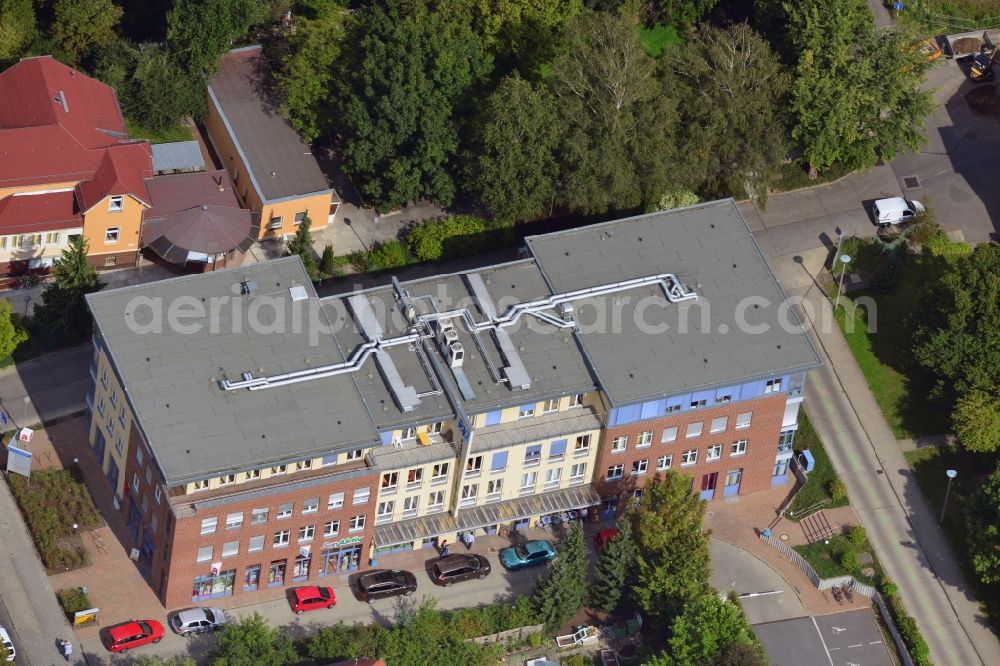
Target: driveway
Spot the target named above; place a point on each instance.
(54, 384)
(848, 638)
(766, 596)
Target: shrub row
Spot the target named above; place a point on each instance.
(940, 246)
(907, 626)
(73, 599)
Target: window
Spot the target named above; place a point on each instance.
(335, 501)
(435, 500)
(310, 505)
(356, 524)
(234, 521)
(414, 477)
(149, 476)
(111, 235)
(116, 203)
(113, 398)
(689, 457)
(713, 453)
(695, 404)
(435, 427)
(354, 455)
(550, 406)
(361, 496)
(619, 444)
(524, 411)
(780, 468)
(135, 483)
(552, 478)
(694, 429)
(100, 407)
(245, 191)
(557, 450)
(303, 464)
(384, 511)
(664, 462)
(205, 553)
(738, 448)
(723, 397)
(299, 217)
(494, 488)
(499, 462)
(644, 439)
(532, 455)
(581, 446)
(111, 261)
(410, 433)
(281, 538)
(256, 544)
(306, 532)
(104, 378)
(230, 548)
(280, 469)
(576, 400)
(492, 418)
(469, 493)
(227, 479)
(275, 223)
(577, 473)
(332, 528)
(439, 473)
(236, 176)
(389, 482)
(743, 420)
(208, 525)
(473, 466)
(772, 386)
(669, 435)
(121, 417)
(329, 459)
(786, 440)
(120, 445)
(253, 474)
(410, 505)
(528, 481)
(111, 427)
(258, 516)
(285, 510)
(719, 424)
(156, 494)
(639, 467)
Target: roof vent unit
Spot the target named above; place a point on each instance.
(445, 325)
(566, 310)
(247, 376)
(248, 288)
(450, 336)
(298, 293)
(456, 353)
(410, 313)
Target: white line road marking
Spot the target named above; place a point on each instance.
(832, 649)
(875, 643)
(820, 634)
(858, 645)
(837, 630)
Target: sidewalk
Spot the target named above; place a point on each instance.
(56, 384)
(901, 526)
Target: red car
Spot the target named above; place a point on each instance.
(134, 633)
(312, 598)
(602, 538)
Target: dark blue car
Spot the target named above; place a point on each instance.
(529, 554)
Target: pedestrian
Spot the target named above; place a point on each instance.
(467, 539)
(444, 548)
(67, 650)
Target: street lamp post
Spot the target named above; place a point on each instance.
(844, 260)
(951, 475)
(27, 401)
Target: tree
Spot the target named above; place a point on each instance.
(79, 25)
(10, 335)
(672, 560)
(617, 123)
(307, 69)
(740, 654)
(62, 316)
(678, 13)
(162, 92)
(148, 660)
(199, 31)
(735, 91)
(976, 421)
(399, 102)
(302, 245)
(73, 270)
(855, 97)
(512, 166)
(558, 596)
(328, 262)
(17, 28)
(706, 627)
(250, 642)
(982, 519)
(615, 571)
(677, 199)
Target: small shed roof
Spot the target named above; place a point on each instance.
(177, 157)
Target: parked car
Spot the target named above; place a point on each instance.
(529, 554)
(197, 620)
(132, 634)
(313, 597)
(456, 568)
(602, 538)
(896, 210)
(383, 583)
(7, 643)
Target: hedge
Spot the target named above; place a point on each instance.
(907, 626)
(457, 236)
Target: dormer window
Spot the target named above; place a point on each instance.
(116, 203)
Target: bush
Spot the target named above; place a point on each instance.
(574, 660)
(73, 599)
(849, 560)
(940, 246)
(907, 626)
(887, 275)
(837, 490)
(857, 536)
(457, 236)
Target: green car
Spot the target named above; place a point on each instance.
(529, 554)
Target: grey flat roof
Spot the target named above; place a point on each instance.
(281, 164)
(194, 428)
(177, 156)
(710, 249)
(546, 426)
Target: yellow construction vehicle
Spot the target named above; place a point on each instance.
(981, 68)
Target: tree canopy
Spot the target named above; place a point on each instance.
(563, 591)
(615, 572)
(80, 25)
(250, 642)
(302, 245)
(10, 335)
(983, 528)
(17, 28)
(199, 31)
(63, 316)
(706, 628)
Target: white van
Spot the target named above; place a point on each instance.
(896, 210)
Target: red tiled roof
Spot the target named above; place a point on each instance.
(25, 214)
(121, 171)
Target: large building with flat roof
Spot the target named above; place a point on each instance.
(256, 435)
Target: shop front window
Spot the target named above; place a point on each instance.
(213, 586)
(339, 560)
(252, 578)
(276, 574)
(301, 571)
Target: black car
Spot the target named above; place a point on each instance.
(456, 568)
(382, 583)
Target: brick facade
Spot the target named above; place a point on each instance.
(757, 463)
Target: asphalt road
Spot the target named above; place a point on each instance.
(56, 385)
(851, 638)
(9, 626)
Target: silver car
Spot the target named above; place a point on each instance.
(198, 620)
(8, 645)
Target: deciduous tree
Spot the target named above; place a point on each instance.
(983, 528)
(976, 421)
(611, 590)
(63, 316)
(17, 28)
(79, 25)
(10, 335)
(199, 31)
(250, 642)
(708, 626)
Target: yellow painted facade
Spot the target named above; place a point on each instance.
(113, 231)
(111, 419)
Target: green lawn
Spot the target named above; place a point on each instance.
(929, 465)
(825, 558)
(885, 355)
(137, 131)
(792, 176)
(817, 489)
(658, 37)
